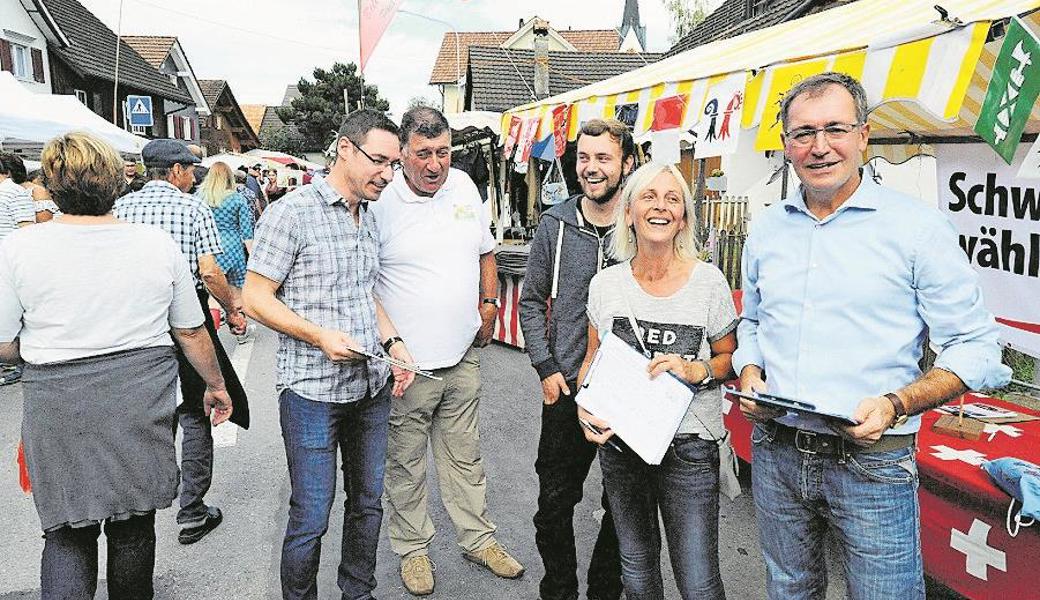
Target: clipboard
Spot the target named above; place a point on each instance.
(645, 413)
(789, 404)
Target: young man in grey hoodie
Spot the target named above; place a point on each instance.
(569, 247)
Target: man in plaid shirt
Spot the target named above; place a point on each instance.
(163, 202)
(311, 278)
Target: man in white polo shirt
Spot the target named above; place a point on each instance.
(439, 284)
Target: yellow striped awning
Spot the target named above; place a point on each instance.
(922, 75)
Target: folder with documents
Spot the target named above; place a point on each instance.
(645, 413)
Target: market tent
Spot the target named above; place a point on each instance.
(284, 159)
(235, 160)
(478, 119)
(29, 120)
(923, 74)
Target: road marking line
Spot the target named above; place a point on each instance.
(226, 435)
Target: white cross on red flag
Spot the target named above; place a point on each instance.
(374, 16)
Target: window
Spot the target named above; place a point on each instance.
(21, 61)
(81, 95)
(757, 7)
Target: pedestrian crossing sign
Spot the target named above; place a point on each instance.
(140, 110)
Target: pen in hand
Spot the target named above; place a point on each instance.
(597, 431)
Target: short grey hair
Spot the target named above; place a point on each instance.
(159, 173)
(624, 244)
(815, 85)
(424, 120)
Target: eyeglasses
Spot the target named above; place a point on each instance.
(382, 163)
(834, 133)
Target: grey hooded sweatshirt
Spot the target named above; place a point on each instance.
(565, 254)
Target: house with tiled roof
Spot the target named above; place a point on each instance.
(226, 129)
(166, 54)
(254, 114)
(26, 30)
(498, 79)
(83, 62)
(265, 122)
(736, 17)
(452, 64)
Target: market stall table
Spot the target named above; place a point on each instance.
(965, 543)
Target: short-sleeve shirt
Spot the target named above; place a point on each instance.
(16, 207)
(186, 218)
(429, 266)
(686, 323)
(326, 265)
(73, 291)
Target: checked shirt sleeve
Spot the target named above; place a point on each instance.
(276, 243)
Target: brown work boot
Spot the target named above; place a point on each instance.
(497, 560)
(417, 575)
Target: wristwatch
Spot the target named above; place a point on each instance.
(390, 341)
(709, 377)
(491, 300)
(900, 408)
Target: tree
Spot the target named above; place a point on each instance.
(283, 139)
(686, 14)
(417, 101)
(319, 111)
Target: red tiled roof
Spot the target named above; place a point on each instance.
(152, 48)
(444, 70)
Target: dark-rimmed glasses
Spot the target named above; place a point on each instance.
(834, 132)
(382, 163)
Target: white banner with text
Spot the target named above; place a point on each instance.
(997, 215)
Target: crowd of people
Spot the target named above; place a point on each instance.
(386, 266)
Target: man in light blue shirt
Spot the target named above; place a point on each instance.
(843, 281)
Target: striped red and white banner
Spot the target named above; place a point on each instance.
(507, 328)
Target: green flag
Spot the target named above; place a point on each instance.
(1012, 91)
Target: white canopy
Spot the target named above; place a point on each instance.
(29, 119)
(475, 118)
(283, 158)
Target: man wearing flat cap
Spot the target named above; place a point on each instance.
(164, 202)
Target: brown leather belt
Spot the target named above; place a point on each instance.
(811, 442)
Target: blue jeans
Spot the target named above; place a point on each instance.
(868, 499)
(311, 432)
(685, 488)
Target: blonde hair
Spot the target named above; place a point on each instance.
(83, 173)
(218, 185)
(624, 245)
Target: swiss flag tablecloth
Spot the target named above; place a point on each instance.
(965, 542)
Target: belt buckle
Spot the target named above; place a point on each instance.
(805, 441)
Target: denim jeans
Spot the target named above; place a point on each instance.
(69, 566)
(685, 488)
(564, 459)
(312, 431)
(868, 499)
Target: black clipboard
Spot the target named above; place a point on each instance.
(789, 404)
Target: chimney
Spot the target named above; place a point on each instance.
(541, 58)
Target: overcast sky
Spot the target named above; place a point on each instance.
(260, 46)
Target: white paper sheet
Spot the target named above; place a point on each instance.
(643, 412)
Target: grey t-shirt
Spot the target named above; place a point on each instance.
(685, 323)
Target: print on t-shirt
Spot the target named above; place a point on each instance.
(661, 338)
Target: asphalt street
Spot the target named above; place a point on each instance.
(240, 559)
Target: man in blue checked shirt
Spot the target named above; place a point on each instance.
(311, 276)
(164, 203)
(843, 281)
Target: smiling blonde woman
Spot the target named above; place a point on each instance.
(666, 303)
